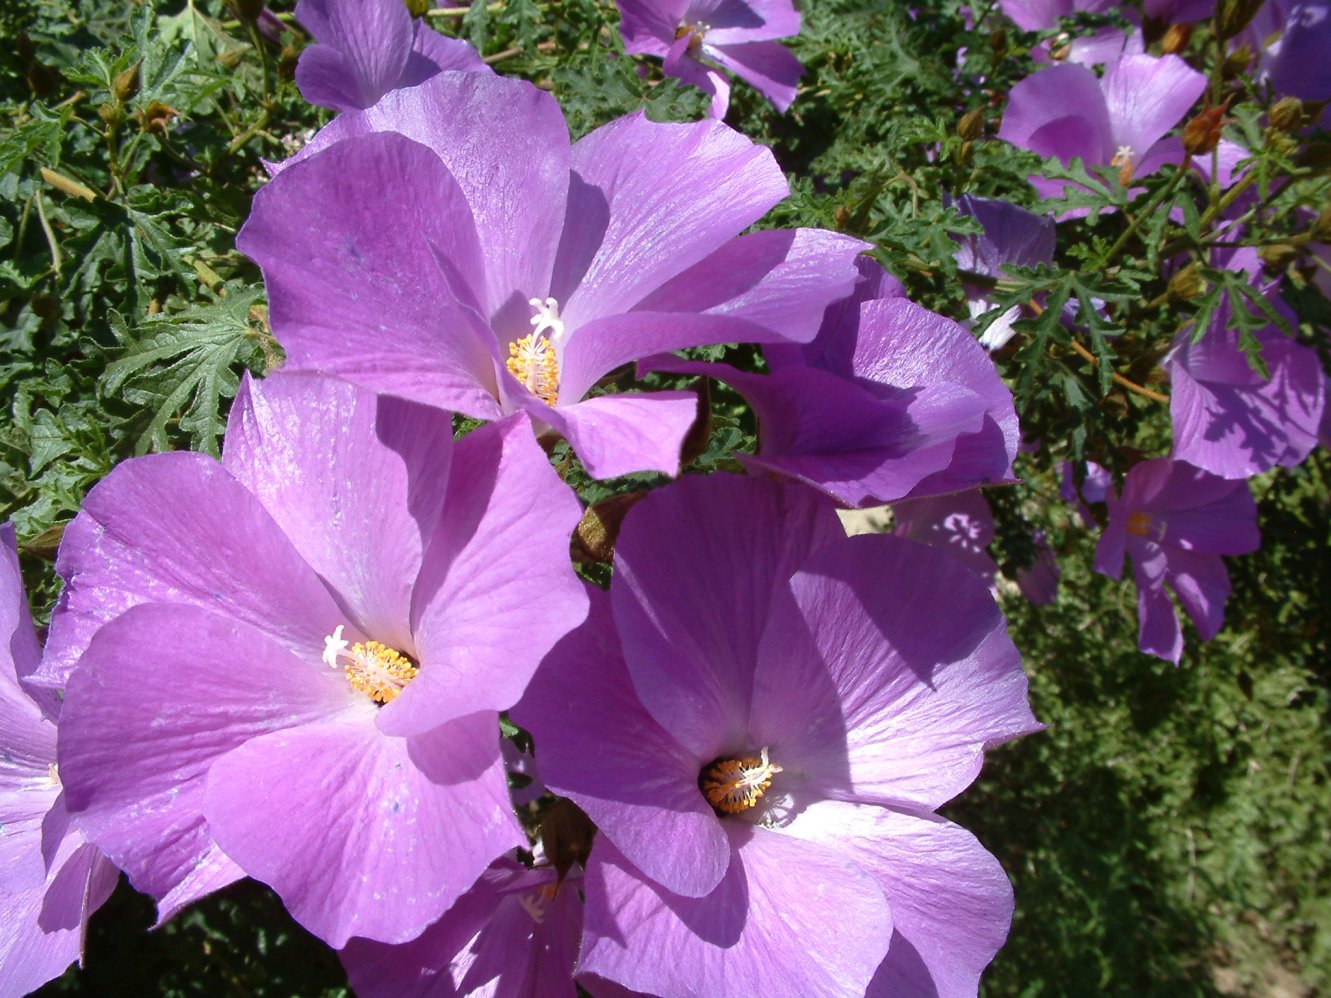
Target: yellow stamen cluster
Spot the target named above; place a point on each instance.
(734, 785)
(378, 671)
(532, 361)
(1140, 524)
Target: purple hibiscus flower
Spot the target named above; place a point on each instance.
(515, 933)
(1290, 39)
(1176, 521)
(51, 880)
(292, 661)
(1119, 120)
(1042, 15)
(697, 39)
(369, 47)
(761, 718)
(449, 246)
(1229, 419)
(889, 401)
(1012, 236)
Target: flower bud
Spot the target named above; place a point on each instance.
(126, 83)
(595, 536)
(1202, 133)
(1185, 284)
(1176, 38)
(1287, 114)
(1277, 256)
(111, 113)
(1321, 229)
(1237, 62)
(1232, 16)
(971, 125)
(417, 8)
(156, 117)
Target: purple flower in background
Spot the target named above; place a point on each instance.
(1291, 39)
(960, 523)
(1119, 120)
(366, 48)
(1176, 521)
(1011, 235)
(1095, 488)
(1038, 581)
(293, 661)
(761, 719)
(1042, 15)
(889, 401)
(50, 879)
(697, 39)
(516, 932)
(1229, 419)
(1179, 11)
(449, 246)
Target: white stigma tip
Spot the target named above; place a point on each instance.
(546, 317)
(334, 646)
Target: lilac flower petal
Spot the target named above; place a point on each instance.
(1158, 631)
(1065, 106)
(901, 343)
(769, 67)
(1195, 510)
(646, 24)
(1300, 68)
(710, 81)
(41, 927)
(691, 616)
(20, 654)
(354, 244)
(496, 589)
(355, 481)
(1201, 584)
(1229, 420)
(731, 21)
(1146, 96)
(609, 342)
(137, 541)
(775, 925)
(951, 901)
(161, 694)
(1011, 235)
(352, 804)
(505, 937)
(959, 523)
(506, 144)
(433, 53)
(620, 434)
(674, 194)
(840, 438)
(637, 783)
(902, 654)
(781, 279)
(362, 49)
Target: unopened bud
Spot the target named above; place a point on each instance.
(1202, 134)
(126, 83)
(1232, 16)
(246, 10)
(233, 57)
(1281, 143)
(1277, 256)
(971, 125)
(1287, 114)
(417, 8)
(1176, 38)
(1237, 62)
(595, 536)
(1321, 230)
(1186, 284)
(156, 117)
(111, 113)
(998, 43)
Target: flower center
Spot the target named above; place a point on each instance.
(1123, 157)
(535, 904)
(532, 359)
(695, 31)
(1140, 524)
(375, 669)
(734, 785)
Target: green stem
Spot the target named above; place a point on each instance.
(1151, 206)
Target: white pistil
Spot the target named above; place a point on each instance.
(334, 646)
(546, 317)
